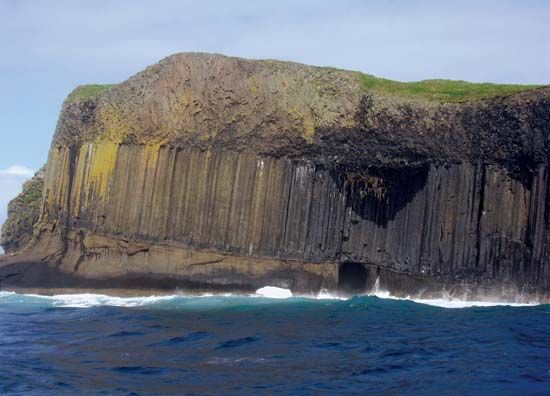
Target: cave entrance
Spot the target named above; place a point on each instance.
(352, 278)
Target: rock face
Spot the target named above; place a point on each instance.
(23, 213)
(210, 170)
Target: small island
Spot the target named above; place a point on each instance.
(212, 172)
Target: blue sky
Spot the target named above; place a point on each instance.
(49, 47)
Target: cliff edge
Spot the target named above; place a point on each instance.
(23, 214)
(212, 171)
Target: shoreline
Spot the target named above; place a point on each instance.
(87, 298)
(44, 279)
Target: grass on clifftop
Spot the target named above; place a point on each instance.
(443, 91)
(87, 91)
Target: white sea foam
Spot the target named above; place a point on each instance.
(278, 292)
(88, 300)
(274, 292)
(456, 303)
(324, 294)
(93, 300)
(448, 302)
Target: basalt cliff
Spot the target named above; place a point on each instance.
(216, 172)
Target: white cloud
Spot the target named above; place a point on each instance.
(11, 181)
(17, 171)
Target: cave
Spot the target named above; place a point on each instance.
(352, 278)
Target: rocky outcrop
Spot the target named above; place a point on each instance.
(211, 170)
(23, 213)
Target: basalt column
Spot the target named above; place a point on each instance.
(211, 170)
(469, 219)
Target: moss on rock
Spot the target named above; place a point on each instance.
(441, 91)
(83, 92)
(23, 213)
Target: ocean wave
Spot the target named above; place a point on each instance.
(86, 300)
(448, 302)
(274, 292)
(451, 302)
(264, 294)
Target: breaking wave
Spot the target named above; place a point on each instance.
(264, 295)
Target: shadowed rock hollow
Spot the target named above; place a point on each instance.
(211, 171)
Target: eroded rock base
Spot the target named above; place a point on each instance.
(101, 263)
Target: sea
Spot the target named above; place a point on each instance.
(270, 343)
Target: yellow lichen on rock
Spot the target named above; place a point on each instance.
(102, 163)
(253, 85)
(304, 122)
(152, 155)
(49, 195)
(114, 127)
(309, 128)
(79, 181)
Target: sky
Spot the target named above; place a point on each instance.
(49, 47)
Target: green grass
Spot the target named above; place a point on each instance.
(33, 194)
(87, 91)
(443, 91)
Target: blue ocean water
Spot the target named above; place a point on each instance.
(237, 345)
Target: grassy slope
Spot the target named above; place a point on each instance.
(87, 91)
(444, 91)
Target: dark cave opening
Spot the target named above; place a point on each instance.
(378, 194)
(352, 278)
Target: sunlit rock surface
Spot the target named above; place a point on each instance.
(210, 171)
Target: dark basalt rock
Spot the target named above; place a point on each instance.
(208, 170)
(23, 213)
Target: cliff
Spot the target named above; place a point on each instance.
(206, 170)
(23, 213)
